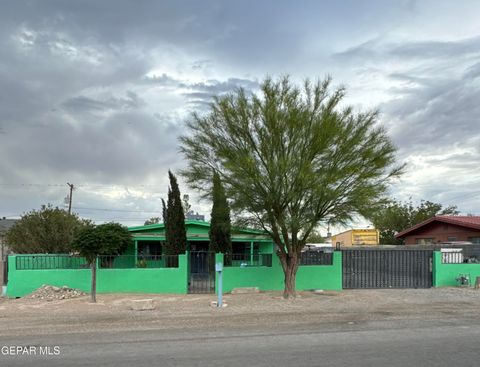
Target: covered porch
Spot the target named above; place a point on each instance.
(148, 243)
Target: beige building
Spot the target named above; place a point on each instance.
(357, 237)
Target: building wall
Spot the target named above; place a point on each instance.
(355, 237)
(441, 232)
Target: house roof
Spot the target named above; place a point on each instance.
(192, 223)
(5, 224)
(472, 222)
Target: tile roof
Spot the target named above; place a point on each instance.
(464, 221)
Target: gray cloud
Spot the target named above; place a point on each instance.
(96, 92)
(201, 94)
(82, 104)
(378, 49)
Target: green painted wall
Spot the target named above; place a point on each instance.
(444, 275)
(163, 280)
(328, 277)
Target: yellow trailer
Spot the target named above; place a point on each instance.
(357, 237)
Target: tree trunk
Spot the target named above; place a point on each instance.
(290, 267)
(93, 267)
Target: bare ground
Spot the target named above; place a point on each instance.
(182, 312)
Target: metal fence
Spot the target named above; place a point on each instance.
(469, 254)
(315, 257)
(52, 262)
(387, 268)
(49, 262)
(247, 260)
(137, 262)
(5, 271)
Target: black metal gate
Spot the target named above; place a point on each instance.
(202, 272)
(5, 271)
(369, 268)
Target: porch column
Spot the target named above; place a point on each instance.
(136, 253)
(251, 252)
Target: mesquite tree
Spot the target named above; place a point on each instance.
(291, 158)
(220, 225)
(174, 220)
(106, 239)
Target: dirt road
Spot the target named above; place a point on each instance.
(374, 328)
(173, 312)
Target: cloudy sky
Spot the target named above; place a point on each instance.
(96, 92)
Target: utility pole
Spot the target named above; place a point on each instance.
(70, 198)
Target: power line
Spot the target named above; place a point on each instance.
(80, 185)
(464, 196)
(30, 184)
(116, 210)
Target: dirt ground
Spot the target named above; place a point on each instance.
(112, 311)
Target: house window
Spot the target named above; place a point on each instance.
(475, 240)
(451, 239)
(424, 241)
(150, 248)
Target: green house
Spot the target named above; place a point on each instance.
(148, 240)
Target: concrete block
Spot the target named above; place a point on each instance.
(142, 304)
(245, 290)
(215, 304)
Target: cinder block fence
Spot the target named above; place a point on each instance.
(449, 267)
(176, 274)
(270, 278)
(165, 275)
(29, 272)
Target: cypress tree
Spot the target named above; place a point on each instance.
(220, 224)
(174, 220)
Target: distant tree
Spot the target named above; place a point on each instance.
(186, 204)
(315, 237)
(290, 158)
(396, 216)
(174, 220)
(153, 220)
(220, 225)
(105, 239)
(48, 230)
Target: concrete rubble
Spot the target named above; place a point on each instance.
(53, 293)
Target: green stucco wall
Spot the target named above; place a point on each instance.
(327, 277)
(162, 280)
(445, 275)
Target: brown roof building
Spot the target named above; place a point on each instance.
(443, 228)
